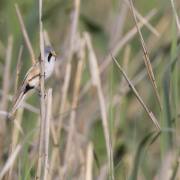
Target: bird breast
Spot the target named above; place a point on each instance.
(49, 68)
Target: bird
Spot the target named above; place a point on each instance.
(32, 78)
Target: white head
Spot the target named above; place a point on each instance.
(50, 58)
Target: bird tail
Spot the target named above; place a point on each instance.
(17, 103)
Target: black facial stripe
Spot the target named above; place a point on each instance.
(27, 88)
(49, 56)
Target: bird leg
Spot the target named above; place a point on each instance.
(39, 92)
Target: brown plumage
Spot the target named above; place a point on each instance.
(30, 81)
(32, 78)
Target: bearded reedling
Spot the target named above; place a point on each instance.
(32, 77)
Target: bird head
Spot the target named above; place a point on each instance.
(49, 54)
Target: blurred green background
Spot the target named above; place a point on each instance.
(139, 152)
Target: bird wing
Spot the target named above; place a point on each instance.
(33, 72)
(17, 102)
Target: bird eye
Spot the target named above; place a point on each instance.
(49, 56)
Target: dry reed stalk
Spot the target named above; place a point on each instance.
(95, 75)
(82, 160)
(89, 162)
(117, 48)
(4, 113)
(46, 133)
(18, 69)
(135, 81)
(175, 15)
(54, 160)
(70, 51)
(117, 27)
(30, 107)
(146, 57)
(17, 121)
(5, 91)
(143, 73)
(55, 100)
(72, 128)
(91, 114)
(43, 107)
(92, 106)
(64, 98)
(142, 19)
(149, 113)
(147, 24)
(6, 75)
(25, 105)
(56, 135)
(103, 175)
(165, 170)
(69, 54)
(73, 30)
(10, 161)
(15, 136)
(25, 35)
(153, 44)
(126, 38)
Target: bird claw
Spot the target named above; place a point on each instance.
(45, 95)
(39, 93)
(41, 75)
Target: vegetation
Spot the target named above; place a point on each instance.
(111, 109)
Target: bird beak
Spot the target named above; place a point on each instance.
(54, 54)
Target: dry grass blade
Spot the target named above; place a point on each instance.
(17, 124)
(146, 57)
(117, 47)
(10, 161)
(118, 99)
(72, 128)
(25, 35)
(149, 113)
(143, 20)
(24, 104)
(46, 134)
(6, 77)
(148, 25)
(118, 24)
(95, 75)
(18, 69)
(4, 113)
(17, 129)
(5, 91)
(126, 38)
(89, 162)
